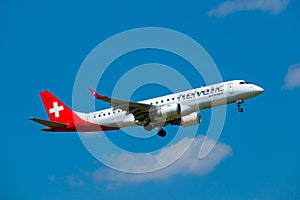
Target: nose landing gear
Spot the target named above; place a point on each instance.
(239, 103)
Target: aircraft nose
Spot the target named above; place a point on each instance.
(258, 90)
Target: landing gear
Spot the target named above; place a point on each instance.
(148, 127)
(239, 103)
(162, 133)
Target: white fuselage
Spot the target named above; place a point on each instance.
(194, 100)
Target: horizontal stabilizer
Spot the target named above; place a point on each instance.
(49, 123)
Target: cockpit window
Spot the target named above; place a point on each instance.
(245, 82)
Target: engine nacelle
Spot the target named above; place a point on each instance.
(169, 110)
(186, 110)
(190, 120)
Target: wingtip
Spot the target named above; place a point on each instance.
(98, 96)
(92, 91)
(32, 118)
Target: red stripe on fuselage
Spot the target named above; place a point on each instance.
(79, 125)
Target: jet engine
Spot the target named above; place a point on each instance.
(190, 120)
(169, 110)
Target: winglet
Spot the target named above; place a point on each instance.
(97, 96)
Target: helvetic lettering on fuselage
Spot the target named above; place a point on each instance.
(174, 109)
(211, 92)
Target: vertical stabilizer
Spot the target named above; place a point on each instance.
(57, 111)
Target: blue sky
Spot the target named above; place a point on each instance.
(42, 46)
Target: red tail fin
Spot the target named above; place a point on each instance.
(57, 111)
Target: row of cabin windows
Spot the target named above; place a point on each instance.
(163, 101)
(120, 110)
(107, 113)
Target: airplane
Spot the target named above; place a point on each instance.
(175, 109)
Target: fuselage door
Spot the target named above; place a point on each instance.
(87, 120)
(230, 88)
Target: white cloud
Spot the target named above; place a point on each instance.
(228, 7)
(72, 180)
(75, 180)
(189, 163)
(292, 78)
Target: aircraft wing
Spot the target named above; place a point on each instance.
(137, 109)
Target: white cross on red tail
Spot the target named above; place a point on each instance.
(56, 109)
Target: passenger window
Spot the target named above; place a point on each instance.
(99, 115)
(162, 101)
(173, 99)
(157, 102)
(242, 83)
(167, 99)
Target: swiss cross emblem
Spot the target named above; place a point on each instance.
(56, 109)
